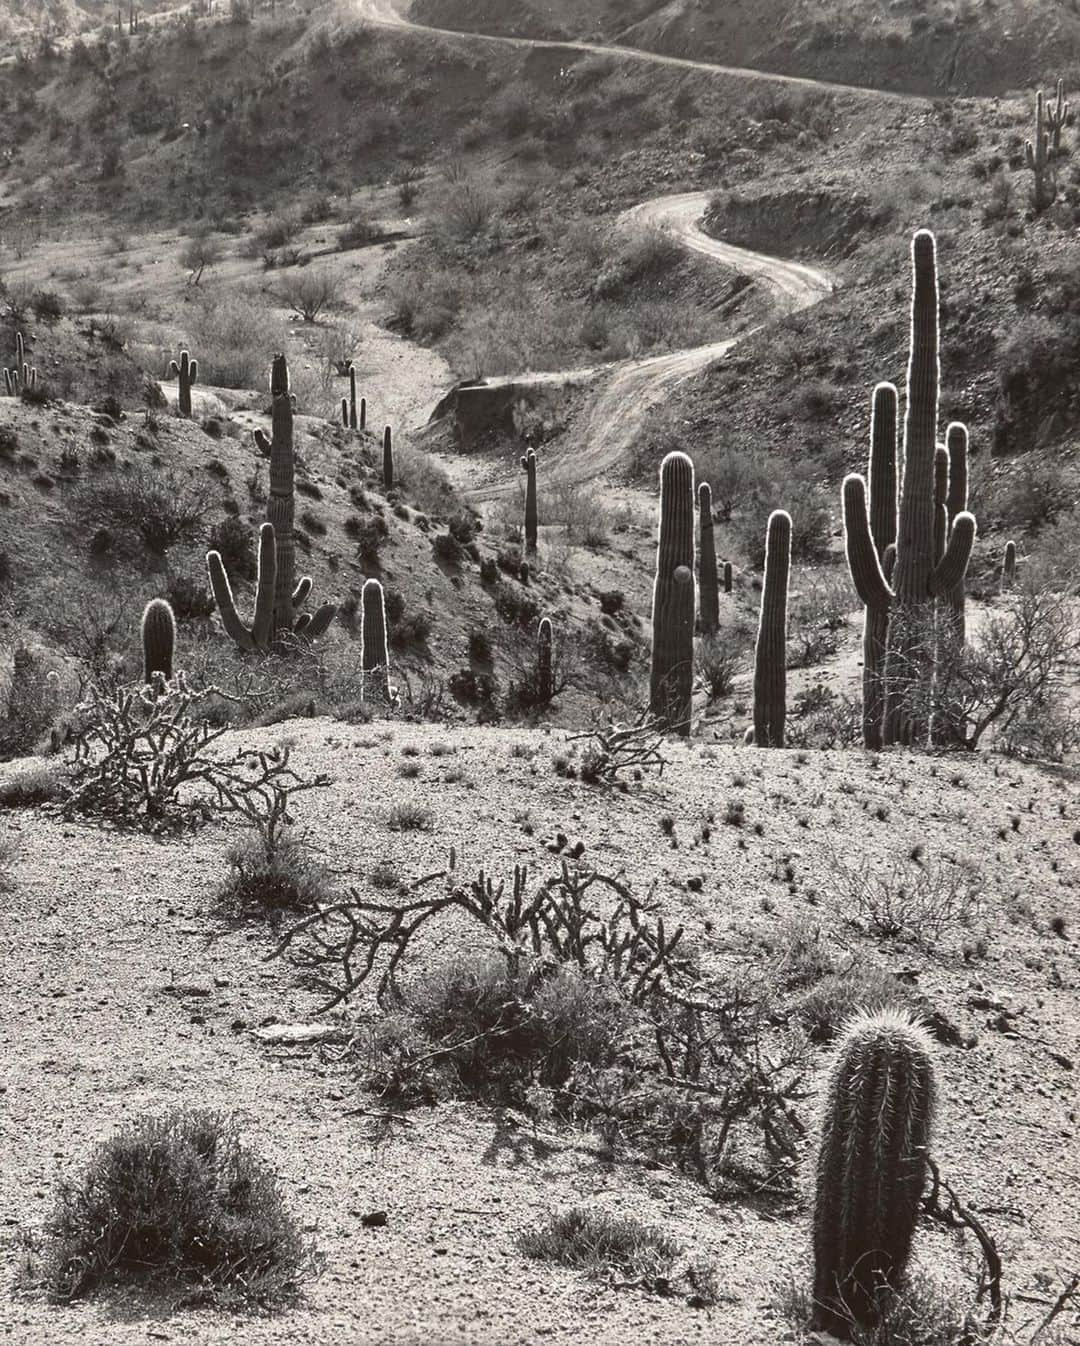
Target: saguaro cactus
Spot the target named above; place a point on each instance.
(1038, 154)
(260, 634)
(387, 459)
(921, 574)
(727, 577)
(545, 662)
(186, 372)
(348, 408)
(956, 501)
(770, 652)
(709, 591)
(1008, 567)
(871, 1165)
(158, 639)
(528, 466)
(671, 680)
(375, 652)
(1056, 114)
(23, 375)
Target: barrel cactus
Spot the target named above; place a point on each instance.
(528, 466)
(186, 373)
(158, 639)
(871, 1165)
(374, 648)
(672, 674)
(709, 615)
(770, 652)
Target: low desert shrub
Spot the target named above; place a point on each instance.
(602, 1245)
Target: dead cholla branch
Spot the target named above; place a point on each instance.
(689, 1063)
(615, 748)
(143, 759)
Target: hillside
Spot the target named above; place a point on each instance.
(940, 48)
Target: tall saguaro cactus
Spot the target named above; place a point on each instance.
(770, 652)
(375, 651)
(1039, 156)
(158, 639)
(186, 373)
(387, 459)
(709, 588)
(545, 659)
(871, 1165)
(906, 599)
(528, 466)
(671, 679)
(278, 594)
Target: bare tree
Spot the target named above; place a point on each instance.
(200, 252)
(308, 292)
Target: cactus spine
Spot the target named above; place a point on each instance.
(528, 466)
(709, 591)
(387, 459)
(375, 653)
(278, 595)
(906, 598)
(770, 652)
(871, 1165)
(158, 639)
(545, 665)
(1008, 567)
(186, 372)
(672, 674)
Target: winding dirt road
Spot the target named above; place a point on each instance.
(634, 386)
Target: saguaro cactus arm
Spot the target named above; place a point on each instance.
(259, 636)
(862, 556)
(952, 567)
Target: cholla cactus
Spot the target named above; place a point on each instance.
(186, 372)
(770, 652)
(871, 1165)
(708, 588)
(158, 640)
(672, 674)
(528, 466)
(375, 652)
(387, 459)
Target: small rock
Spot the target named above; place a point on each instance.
(374, 1219)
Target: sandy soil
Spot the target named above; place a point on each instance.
(125, 992)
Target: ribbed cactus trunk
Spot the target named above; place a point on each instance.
(671, 679)
(528, 466)
(387, 459)
(954, 601)
(545, 659)
(186, 373)
(281, 506)
(871, 1166)
(352, 398)
(374, 649)
(708, 585)
(158, 639)
(883, 497)
(770, 652)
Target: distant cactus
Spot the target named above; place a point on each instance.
(375, 652)
(727, 577)
(1056, 115)
(770, 652)
(871, 1165)
(922, 573)
(708, 589)
(1008, 567)
(545, 665)
(387, 459)
(528, 466)
(158, 639)
(22, 376)
(348, 408)
(279, 596)
(1039, 156)
(672, 674)
(186, 372)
